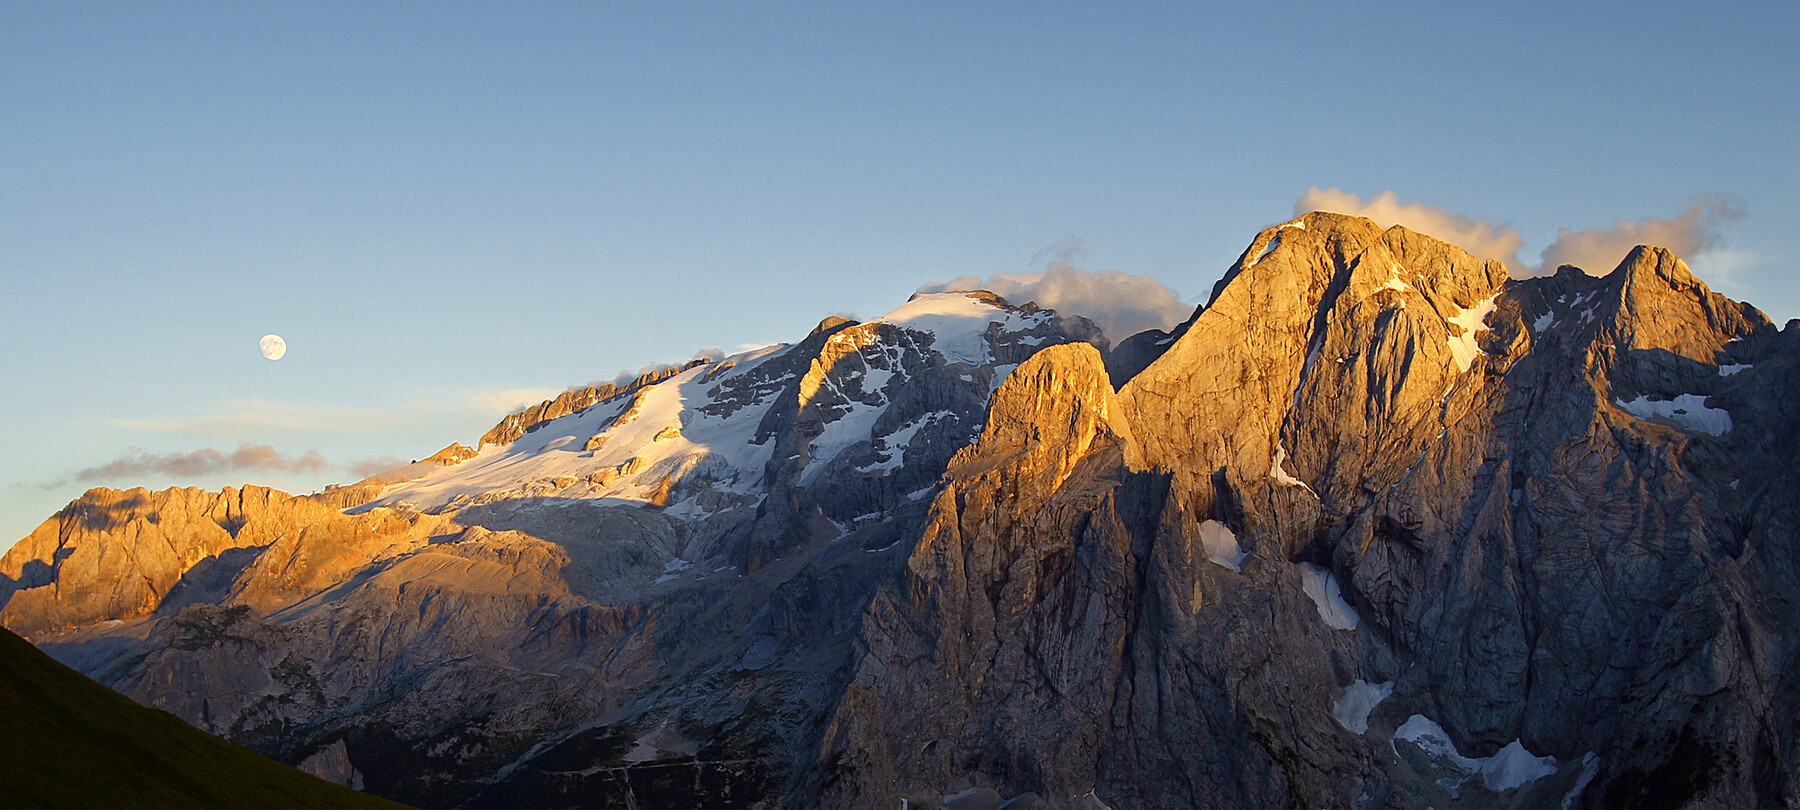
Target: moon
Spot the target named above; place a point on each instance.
(273, 347)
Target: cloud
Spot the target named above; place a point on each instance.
(205, 461)
(1122, 305)
(1693, 235)
(1600, 250)
(626, 376)
(513, 399)
(1482, 239)
(371, 466)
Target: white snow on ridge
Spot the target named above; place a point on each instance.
(1687, 411)
(1221, 545)
(1322, 588)
(1509, 768)
(1360, 698)
(631, 463)
(1463, 347)
(959, 323)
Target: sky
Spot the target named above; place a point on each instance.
(449, 210)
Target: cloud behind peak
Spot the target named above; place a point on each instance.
(1597, 250)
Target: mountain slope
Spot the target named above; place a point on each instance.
(75, 743)
(1378, 526)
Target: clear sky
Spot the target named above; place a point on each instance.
(450, 209)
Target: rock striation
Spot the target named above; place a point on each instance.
(1377, 527)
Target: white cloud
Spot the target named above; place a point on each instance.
(1599, 250)
(1480, 238)
(1693, 235)
(205, 461)
(1722, 265)
(1121, 304)
(501, 403)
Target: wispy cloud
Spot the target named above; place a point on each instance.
(371, 466)
(1121, 304)
(505, 402)
(1689, 235)
(626, 376)
(203, 462)
(1693, 234)
(209, 461)
(1480, 238)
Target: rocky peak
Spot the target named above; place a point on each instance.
(514, 425)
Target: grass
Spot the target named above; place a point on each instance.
(70, 742)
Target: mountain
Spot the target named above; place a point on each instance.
(75, 743)
(1377, 527)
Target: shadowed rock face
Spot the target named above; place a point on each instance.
(1378, 526)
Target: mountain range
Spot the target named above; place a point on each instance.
(1378, 526)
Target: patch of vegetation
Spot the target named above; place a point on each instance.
(74, 743)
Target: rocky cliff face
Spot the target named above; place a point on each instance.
(1377, 527)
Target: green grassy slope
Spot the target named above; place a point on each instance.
(66, 741)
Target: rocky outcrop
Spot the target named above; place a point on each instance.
(1551, 591)
(332, 764)
(113, 555)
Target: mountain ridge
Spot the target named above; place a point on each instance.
(1378, 523)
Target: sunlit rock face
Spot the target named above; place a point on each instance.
(1378, 526)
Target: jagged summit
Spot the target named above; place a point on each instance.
(700, 440)
(1377, 526)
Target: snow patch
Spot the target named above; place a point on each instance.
(1510, 768)
(1322, 588)
(1514, 766)
(853, 426)
(1360, 698)
(1221, 545)
(1732, 368)
(1267, 249)
(1000, 374)
(1473, 321)
(672, 570)
(894, 444)
(1298, 223)
(1687, 411)
(1394, 281)
(1280, 475)
(1590, 766)
(1544, 321)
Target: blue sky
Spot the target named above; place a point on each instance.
(448, 209)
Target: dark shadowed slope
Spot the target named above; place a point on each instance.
(70, 742)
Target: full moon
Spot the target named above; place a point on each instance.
(273, 347)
